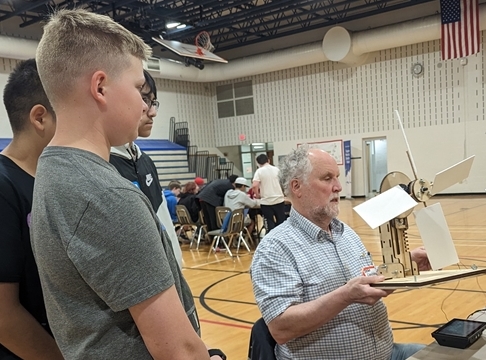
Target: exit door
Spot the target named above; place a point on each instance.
(375, 156)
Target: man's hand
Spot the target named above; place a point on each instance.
(301, 319)
(419, 255)
(358, 290)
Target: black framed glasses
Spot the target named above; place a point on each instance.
(151, 103)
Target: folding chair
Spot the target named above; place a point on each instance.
(231, 226)
(202, 222)
(223, 217)
(245, 233)
(221, 212)
(185, 220)
(241, 236)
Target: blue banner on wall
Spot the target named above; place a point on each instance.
(347, 167)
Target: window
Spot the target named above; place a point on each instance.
(226, 109)
(235, 99)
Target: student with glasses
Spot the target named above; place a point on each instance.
(132, 163)
(136, 166)
(150, 103)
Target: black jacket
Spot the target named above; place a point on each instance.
(213, 193)
(140, 170)
(192, 205)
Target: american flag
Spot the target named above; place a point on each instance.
(460, 34)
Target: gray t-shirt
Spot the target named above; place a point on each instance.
(100, 250)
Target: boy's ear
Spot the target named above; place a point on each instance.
(37, 117)
(98, 86)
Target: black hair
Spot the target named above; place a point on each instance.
(232, 178)
(23, 91)
(150, 82)
(262, 159)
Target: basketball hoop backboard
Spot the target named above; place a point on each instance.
(187, 50)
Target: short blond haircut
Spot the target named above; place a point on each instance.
(78, 42)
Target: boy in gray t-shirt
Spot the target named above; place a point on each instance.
(112, 286)
(99, 248)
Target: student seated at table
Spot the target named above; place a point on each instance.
(172, 198)
(238, 199)
(187, 197)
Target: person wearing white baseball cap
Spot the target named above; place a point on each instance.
(238, 199)
(242, 181)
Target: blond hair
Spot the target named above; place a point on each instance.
(77, 42)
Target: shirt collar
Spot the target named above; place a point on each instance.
(314, 231)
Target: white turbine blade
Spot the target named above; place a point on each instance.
(436, 237)
(384, 207)
(412, 162)
(452, 175)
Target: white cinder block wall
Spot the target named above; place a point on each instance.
(443, 110)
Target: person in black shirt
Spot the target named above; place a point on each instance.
(131, 162)
(24, 331)
(136, 166)
(188, 199)
(213, 195)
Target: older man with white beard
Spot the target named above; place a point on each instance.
(307, 278)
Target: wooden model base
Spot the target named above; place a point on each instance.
(427, 278)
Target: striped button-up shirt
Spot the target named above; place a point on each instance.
(298, 262)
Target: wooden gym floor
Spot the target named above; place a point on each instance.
(222, 288)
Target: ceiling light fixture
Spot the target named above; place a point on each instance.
(172, 24)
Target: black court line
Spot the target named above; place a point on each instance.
(458, 290)
(217, 270)
(435, 287)
(414, 327)
(228, 300)
(202, 300)
(413, 324)
(464, 209)
(475, 259)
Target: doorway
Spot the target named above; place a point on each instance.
(375, 164)
(248, 155)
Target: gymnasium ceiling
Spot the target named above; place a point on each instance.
(238, 28)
